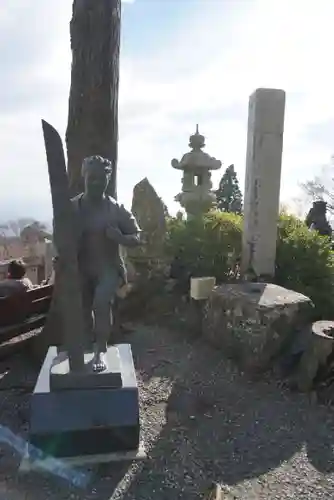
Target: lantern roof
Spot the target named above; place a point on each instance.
(196, 158)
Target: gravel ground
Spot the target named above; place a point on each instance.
(202, 422)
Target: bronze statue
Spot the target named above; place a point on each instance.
(84, 384)
(316, 219)
(101, 226)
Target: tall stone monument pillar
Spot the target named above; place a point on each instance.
(262, 181)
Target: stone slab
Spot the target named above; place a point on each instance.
(62, 378)
(253, 322)
(82, 422)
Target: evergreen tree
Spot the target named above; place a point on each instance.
(229, 197)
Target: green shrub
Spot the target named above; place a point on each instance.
(211, 245)
(305, 263)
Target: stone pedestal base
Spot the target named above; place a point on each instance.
(45, 464)
(86, 421)
(252, 322)
(62, 378)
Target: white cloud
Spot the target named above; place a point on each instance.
(270, 44)
(205, 73)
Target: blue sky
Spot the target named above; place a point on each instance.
(182, 62)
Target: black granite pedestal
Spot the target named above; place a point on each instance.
(86, 422)
(61, 377)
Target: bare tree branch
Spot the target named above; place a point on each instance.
(321, 187)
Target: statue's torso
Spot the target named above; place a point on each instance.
(96, 253)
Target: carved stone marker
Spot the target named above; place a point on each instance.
(77, 410)
(148, 208)
(262, 181)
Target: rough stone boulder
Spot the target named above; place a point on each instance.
(254, 322)
(149, 210)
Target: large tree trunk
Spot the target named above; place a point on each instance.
(92, 127)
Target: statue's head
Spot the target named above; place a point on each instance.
(96, 172)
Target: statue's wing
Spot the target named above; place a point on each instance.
(63, 220)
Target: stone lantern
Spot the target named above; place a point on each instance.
(197, 196)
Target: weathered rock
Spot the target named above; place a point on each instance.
(149, 210)
(320, 346)
(253, 322)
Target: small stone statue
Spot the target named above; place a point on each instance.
(102, 225)
(316, 219)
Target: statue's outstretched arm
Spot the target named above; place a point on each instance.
(126, 240)
(128, 232)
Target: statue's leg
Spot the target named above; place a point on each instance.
(87, 305)
(104, 295)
